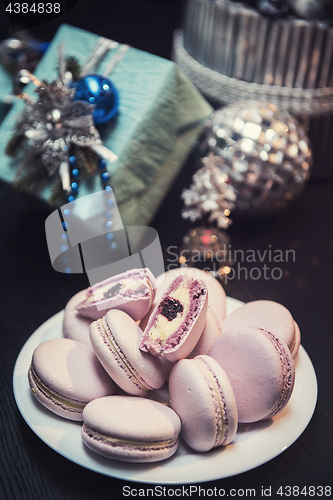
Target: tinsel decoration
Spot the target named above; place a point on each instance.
(210, 193)
(51, 129)
(256, 160)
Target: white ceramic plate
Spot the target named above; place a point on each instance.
(253, 445)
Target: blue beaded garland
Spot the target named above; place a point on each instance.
(105, 178)
(101, 92)
(102, 164)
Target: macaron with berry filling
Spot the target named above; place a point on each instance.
(212, 330)
(176, 324)
(131, 429)
(132, 292)
(115, 340)
(201, 395)
(216, 293)
(65, 375)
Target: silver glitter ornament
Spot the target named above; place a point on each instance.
(256, 160)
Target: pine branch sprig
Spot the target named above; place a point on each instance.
(73, 65)
(87, 161)
(14, 144)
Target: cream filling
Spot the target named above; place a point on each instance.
(117, 352)
(129, 284)
(54, 396)
(217, 395)
(154, 445)
(164, 329)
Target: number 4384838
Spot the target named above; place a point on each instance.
(306, 491)
(35, 8)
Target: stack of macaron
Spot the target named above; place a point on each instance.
(124, 337)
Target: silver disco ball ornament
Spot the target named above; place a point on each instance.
(256, 159)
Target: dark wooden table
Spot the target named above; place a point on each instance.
(31, 292)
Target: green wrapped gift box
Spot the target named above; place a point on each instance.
(160, 116)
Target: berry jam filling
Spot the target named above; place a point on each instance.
(113, 291)
(169, 308)
(198, 294)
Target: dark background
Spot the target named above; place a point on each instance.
(31, 291)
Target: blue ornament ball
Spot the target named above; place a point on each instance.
(101, 92)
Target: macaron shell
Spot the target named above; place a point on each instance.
(118, 351)
(216, 293)
(70, 371)
(212, 330)
(193, 396)
(145, 430)
(136, 307)
(190, 398)
(265, 314)
(260, 369)
(51, 402)
(75, 326)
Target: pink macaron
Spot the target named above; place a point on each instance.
(75, 326)
(130, 429)
(216, 293)
(132, 292)
(201, 395)
(269, 316)
(65, 375)
(176, 324)
(260, 368)
(115, 340)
